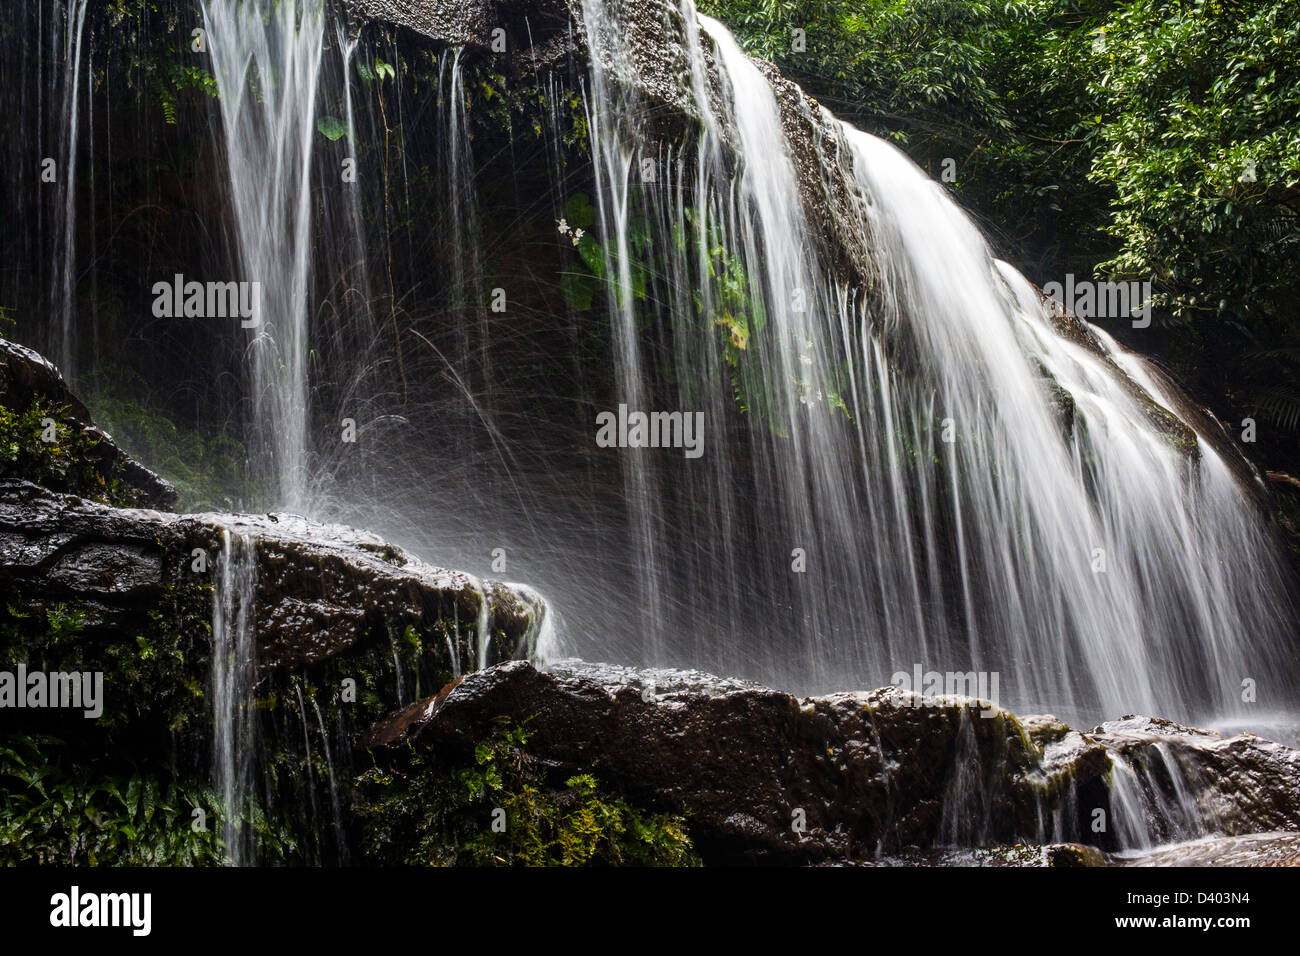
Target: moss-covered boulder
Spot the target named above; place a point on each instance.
(47, 436)
(343, 629)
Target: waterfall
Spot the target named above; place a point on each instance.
(1124, 572)
(63, 296)
(915, 461)
(466, 269)
(1155, 804)
(336, 808)
(233, 663)
(912, 461)
(314, 812)
(908, 438)
(266, 61)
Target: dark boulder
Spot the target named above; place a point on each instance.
(320, 589)
(83, 458)
(766, 777)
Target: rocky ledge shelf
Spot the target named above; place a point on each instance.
(319, 589)
(764, 777)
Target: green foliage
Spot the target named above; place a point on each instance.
(1200, 141)
(171, 80)
(724, 299)
(616, 266)
(53, 813)
(379, 72)
(150, 674)
(427, 814)
(42, 444)
(579, 287)
(206, 465)
(63, 624)
(995, 87)
(56, 810)
(331, 127)
(110, 794)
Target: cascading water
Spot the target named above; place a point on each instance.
(64, 278)
(1154, 804)
(1098, 561)
(231, 684)
(906, 439)
(266, 61)
(906, 464)
(966, 488)
(336, 809)
(466, 282)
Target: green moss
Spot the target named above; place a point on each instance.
(205, 463)
(41, 444)
(152, 676)
(500, 809)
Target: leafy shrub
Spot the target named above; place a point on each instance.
(427, 814)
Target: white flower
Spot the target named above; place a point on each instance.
(564, 226)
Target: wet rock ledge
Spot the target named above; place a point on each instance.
(319, 589)
(68, 545)
(763, 777)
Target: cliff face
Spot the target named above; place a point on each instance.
(644, 46)
(650, 63)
